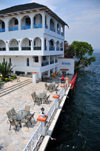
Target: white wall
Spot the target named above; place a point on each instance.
(66, 64)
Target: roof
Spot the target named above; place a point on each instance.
(29, 6)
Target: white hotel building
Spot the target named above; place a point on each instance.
(31, 38)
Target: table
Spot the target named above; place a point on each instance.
(41, 96)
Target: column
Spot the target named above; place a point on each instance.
(7, 45)
(31, 44)
(19, 24)
(6, 25)
(43, 20)
(19, 45)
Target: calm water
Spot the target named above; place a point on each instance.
(78, 128)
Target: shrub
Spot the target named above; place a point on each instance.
(7, 79)
(14, 77)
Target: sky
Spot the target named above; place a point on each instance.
(82, 16)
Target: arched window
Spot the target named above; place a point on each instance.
(2, 26)
(13, 24)
(38, 21)
(37, 44)
(62, 30)
(2, 45)
(46, 21)
(51, 45)
(13, 45)
(25, 23)
(52, 25)
(57, 45)
(61, 46)
(26, 44)
(58, 28)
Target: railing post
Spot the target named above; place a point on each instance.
(63, 88)
(67, 82)
(42, 118)
(56, 97)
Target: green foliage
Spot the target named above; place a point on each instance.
(13, 77)
(1, 79)
(82, 51)
(7, 79)
(5, 69)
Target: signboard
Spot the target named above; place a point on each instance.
(66, 64)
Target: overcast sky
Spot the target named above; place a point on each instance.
(83, 17)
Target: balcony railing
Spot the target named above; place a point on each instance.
(46, 26)
(45, 47)
(13, 28)
(52, 29)
(58, 32)
(3, 49)
(13, 48)
(26, 48)
(62, 34)
(52, 61)
(57, 48)
(37, 25)
(61, 49)
(51, 48)
(56, 60)
(45, 63)
(25, 27)
(37, 48)
(2, 30)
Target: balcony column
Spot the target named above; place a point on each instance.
(43, 20)
(19, 45)
(7, 45)
(48, 44)
(42, 44)
(54, 46)
(31, 22)
(32, 44)
(19, 23)
(48, 21)
(40, 60)
(56, 26)
(6, 25)
(49, 60)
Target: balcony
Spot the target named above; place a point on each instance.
(52, 29)
(46, 26)
(56, 60)
(45, 63)
(2, 30)
(58, 32)
(61, 49)
(51, 48)
(37, 48)
(62, 34)
(26, 48)
(52, 61)
(25, 27)
(13, 48)
(3, 49)
(13, 28)
(57, 48)
(45, 47)
(37, 25)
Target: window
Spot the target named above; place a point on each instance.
(27, 21)
(16, 22)
(3, 60)
(27, 61)
(29, 42)
(36, 59)
(44, 58)
(10, 61)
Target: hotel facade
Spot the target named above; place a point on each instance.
(31, 39)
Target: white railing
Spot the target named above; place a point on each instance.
(51, 111)
(34, 140)
(37, 134)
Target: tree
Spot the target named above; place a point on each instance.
(68, 52)
(83, 54)
(5, 69)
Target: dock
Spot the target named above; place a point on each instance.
(29, 139)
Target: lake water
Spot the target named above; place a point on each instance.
(78, 128)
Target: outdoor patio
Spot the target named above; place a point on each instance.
(16, 140)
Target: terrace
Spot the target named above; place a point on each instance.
(18, 99)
